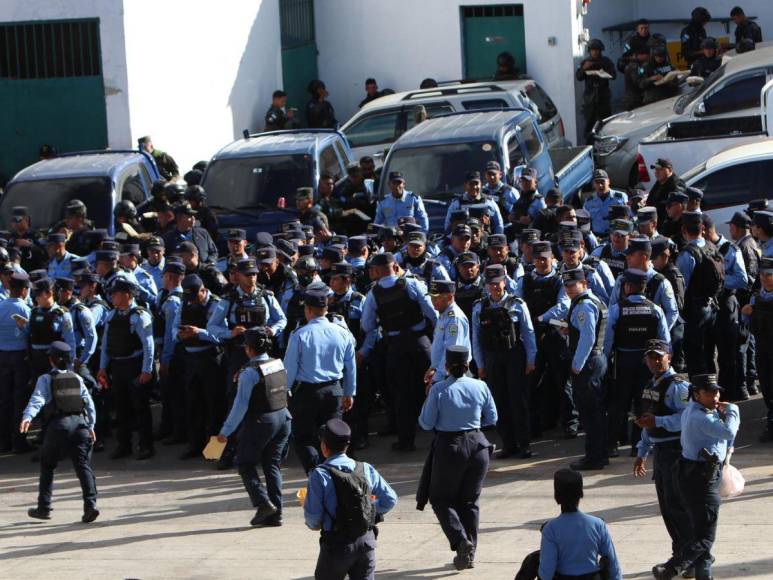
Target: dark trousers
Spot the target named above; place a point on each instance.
(14, 393)
(132, 402)
(594, 111)
(677, 347)
(764, 359)
(263, 441)
(39, 365)
(699, 490)
(311, 407)
(377, 375)
(551, 400)
(355, 560)
(698, 331)
(627, 384)
(408, 358)
(507, 381)
(588, 388)
(67, 436)
(726, 337)
(671, 508)
(459, 467)
(235, 359)
(173, 419)
(204, 396)
(357, 417)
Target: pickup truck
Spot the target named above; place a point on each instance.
(100, 179)
(435, 155)
(687, 143)
(245, 179)
(730, 92)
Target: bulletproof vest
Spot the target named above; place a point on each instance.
(675, 277)
(601, 323)
(341, 307)
(295, 311)
(521, 206)
(248, 315)
(498, 331)
(653, 285)
(395, 309)
(762, 319)
(638, 323)
(195, 314)
(468, 294)
(653, 399)
(159, 329)
(511, 265)
(540, 294)
(42, 321)
(464, 200)
(616, 263)
(421, 267)
(66, 393)
(121, 341)
(270, 393)
(277, 279)
(355, 511)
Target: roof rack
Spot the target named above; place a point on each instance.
(491, 110)
(247, 135)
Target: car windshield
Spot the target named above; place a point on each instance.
(256, 181)
(46, 200)
(681, 103)
(434, 171)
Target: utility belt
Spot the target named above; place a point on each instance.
(671, 444)
(456, 433)
(305, 385)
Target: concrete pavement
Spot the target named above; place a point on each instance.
(166, 518)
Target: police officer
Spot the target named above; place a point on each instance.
(504, 194)
(598, 205)
(498, 253)
(205, 216)
(129, 259)
(213, 279)
(693, 35)
(587, 319)
(275, 276)
(401, 307)
(745, 29)
(709, 429)
(469, 282)
(202, 376)
(14, 364)
(597, 273)
(69, 430)
(461, 238)
(709, 61)
(167, 306)
(472, 196)
(505, 351)
(640, 39)
(29, 242)
(662, 402)
(762, 229)
(106, 267)
(84, 328)
(260, 407)
(309, 215)
(186, 231)
(451, 329)
(126, 365)
(613, 252)
(633, 322)
(278, 116)
(633, 73)
(48, 322)
(416, 259)
(307, 276)
(456, 409)
(59, 264)
(344, 501)
(596, 95)
(236, 239)
(154, 265)
(399, 204)
(167, 166)
(647, 222)
(321, 371)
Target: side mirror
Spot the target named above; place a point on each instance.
(700, 110)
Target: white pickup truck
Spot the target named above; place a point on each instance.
(687, 143)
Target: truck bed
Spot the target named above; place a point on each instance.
(729, 127)
(572, 166)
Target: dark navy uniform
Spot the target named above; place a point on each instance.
(761, 324)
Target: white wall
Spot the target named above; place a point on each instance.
(401, 42)
(110, 14)
(200, 71)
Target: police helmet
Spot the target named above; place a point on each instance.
(700, 14)
(258, 339)
(710, 43)
(195, 193)
(125, 209)
(175, 191)
(158, 189)
(596, 44)
(505, 59)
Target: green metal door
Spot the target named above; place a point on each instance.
(51, 90)
(299, 52)
(489, 30)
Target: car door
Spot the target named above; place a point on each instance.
(736, 97)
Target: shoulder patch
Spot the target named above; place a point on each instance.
(581, 317)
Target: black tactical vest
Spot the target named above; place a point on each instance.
(601, 323)
(653, 399)
(42, 322)
(247, 315)
(638, 323)
(395, 309)
(66, 393)
(341, 306)
(195, 314)
(498, 331)
(295, 311)
(616, 263)
(540, 294)
(762, 319)
(121, 341)
(467, 294)
(270, 393)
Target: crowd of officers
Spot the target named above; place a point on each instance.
(645, 63)
(594, 313)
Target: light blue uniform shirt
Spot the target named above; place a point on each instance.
(676, 400)
(767, 249)
(416, 291)
(204, 335)
(156, 272)
(458, 405)
(12, 338)
(141, 324)
(42, 395)
(519, 314)
(222, 263)
(321, 502)
(447, 257)
(61, 268)
(147, 286)
(706, 429)
(391, 209)
(614, 316)
(686, 263)
(438, 271)
(598, 208)
(735, 269)
(320, 352)
(572, 544)
(98, 311)
(497, 225)
(504, 192)
(585, 318)
(85, 330)
(168, 312)
(219, 327)
(451, 329)
(604, 274)
(664, 297)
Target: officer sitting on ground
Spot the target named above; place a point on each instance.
(70, 431)
(344, 499)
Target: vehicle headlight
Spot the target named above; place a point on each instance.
(604, 146)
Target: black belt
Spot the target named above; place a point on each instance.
(452, 433)
(674, 443)
(319, 385)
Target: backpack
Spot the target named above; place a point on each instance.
(356, 513)
(708, 276)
